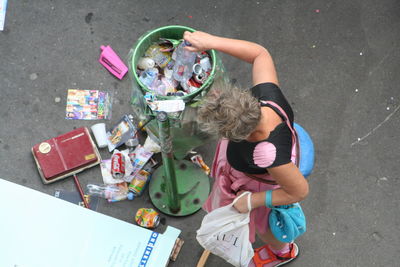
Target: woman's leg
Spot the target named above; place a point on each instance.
(268, 238)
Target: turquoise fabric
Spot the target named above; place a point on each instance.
(287, 222)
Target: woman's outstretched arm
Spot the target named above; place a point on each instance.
(255, 54)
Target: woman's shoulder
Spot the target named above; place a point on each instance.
(271, 92)
(264, 89)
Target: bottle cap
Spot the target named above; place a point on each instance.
(186, 43)
(131, 196)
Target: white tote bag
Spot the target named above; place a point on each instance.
(225, 232)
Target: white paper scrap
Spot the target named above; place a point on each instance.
(175, 105)
(3, 7)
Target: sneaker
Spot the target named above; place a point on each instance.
(264, 257)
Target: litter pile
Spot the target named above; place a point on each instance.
(168, 69)
(127, 173)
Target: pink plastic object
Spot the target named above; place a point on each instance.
(111, 61)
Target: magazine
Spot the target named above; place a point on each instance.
(88, 105)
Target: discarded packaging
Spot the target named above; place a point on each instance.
(105, 167)
(151, 146)
(183, 68)
(148, 77)
(138, 183)
(170, 44)
(100, 134)
(145, 63)
(113, 192)
(147, 218)
(198, 160)
(111, 61)
(176, 71)
(156, 53)
(121, 132)
(131, 143)
(139, 157)
(173, 105)
(118, 165)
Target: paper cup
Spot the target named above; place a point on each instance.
(99, 131)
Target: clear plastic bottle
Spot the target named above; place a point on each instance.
(184, 61)
(111, 192)
(148, 76)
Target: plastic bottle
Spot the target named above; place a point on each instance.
(111, 192)
(148, 76)
(184, 61)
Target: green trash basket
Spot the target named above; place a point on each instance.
(171, 32)
(170, 189)
(184, 128)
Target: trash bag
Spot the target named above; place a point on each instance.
(225, 233)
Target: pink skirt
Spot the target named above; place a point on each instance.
(228, 181)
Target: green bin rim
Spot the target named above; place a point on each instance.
(144, 38)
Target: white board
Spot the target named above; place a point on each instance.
(3, 8)
(39, 230)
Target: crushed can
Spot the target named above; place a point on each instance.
(118, 165)
(148, 218)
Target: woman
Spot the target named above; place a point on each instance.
(257, 151)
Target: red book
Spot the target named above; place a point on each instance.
(65, 155)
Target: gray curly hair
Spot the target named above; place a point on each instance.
(229, 112)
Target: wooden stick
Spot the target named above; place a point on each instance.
(79, 187)
(203, 258)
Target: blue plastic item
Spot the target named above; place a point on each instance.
(306, 163)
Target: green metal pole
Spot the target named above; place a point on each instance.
(168, 162)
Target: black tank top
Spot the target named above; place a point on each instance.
(240, 154)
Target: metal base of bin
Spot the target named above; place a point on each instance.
(193, 188)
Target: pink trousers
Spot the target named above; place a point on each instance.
(229, 181)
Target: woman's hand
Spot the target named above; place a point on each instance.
(241, 204)
(200, 41)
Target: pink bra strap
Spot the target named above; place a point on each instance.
(294, 141)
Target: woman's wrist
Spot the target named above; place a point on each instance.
(213, 42)
(268, 199)
(257, 200)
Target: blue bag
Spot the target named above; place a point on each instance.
(287, 222)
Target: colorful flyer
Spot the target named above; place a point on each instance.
(88, 105)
